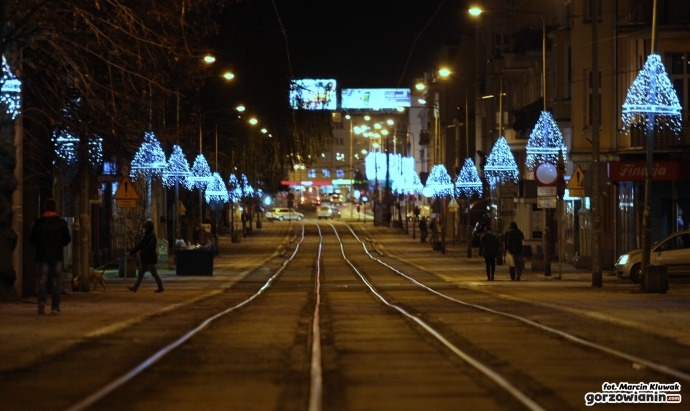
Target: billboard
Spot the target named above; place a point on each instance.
(308, 94)
(375, 98)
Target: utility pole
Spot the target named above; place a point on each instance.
(597, 280)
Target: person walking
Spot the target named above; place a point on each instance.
(149, 257)
(49, 235)
(513, 243)
(423, 231)
(489, 249)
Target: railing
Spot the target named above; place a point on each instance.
(663, 138)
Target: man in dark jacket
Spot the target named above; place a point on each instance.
(49, 234)
(513, 243)
(489, 249)
(149, 257)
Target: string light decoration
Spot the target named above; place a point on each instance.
(652, 95)
(177, 169)
(216, 192)
(545, 142)
(96, 151)
(439, 183)
(201, 173)
(408, 181)
(247, 189)
(234, 188)
(468, 182)
(375, 166)
(149, 160)
(10, 92)
(500, 164)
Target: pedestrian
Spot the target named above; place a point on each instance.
(513, 243)
(489, 249)
(49, 235)
(423, 231)
(245, 217)
(149, 257)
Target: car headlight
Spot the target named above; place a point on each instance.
(622, 260)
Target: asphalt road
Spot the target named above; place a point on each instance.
(384, 342)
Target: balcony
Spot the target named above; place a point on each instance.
(663, 138)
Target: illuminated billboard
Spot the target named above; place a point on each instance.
(375, 98)
(308, 94)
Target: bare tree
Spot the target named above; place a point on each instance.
(93, 68)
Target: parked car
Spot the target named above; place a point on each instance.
(336, 199)
(672, 252)
(281, 214)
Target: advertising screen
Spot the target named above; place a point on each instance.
(308, 94)
(375, 98)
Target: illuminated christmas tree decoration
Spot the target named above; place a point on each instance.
(234, 188)
(439, 183)
(177, 169)
(652, 93)
(500, 164)
(468, 182)
(408, 181)
(149, 160)
(66, 146)
(10, 92)
(394, 167)
(216, 190)
(545, 142)
(247, 189)
(201, 173)
(96, 151)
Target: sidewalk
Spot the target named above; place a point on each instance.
(25, 336)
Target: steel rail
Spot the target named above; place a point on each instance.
(629, 357)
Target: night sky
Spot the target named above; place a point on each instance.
(359, 43)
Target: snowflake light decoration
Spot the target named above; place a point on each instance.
(66, 146)
(652, 96)
(468, 182)
(545, 142)
(10, 92)
(500, 164)
(200, 173)
(439, 183)
(149, 160)
(177, 169)
(216, 190)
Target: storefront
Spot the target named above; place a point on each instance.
(670, 200)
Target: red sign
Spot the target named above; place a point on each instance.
(637, 171)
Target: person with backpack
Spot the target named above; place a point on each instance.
(513, 241)
(489, 249)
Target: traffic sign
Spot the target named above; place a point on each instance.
(546, 202)
(576, 180)
(453, 206)
(126, 203)
(125, 191)
(576, 192)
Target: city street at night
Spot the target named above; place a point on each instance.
(399, 326)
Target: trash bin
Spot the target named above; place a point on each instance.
(198, 261)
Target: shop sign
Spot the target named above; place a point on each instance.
(637, 171)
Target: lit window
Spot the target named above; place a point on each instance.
(326, 172)
(339, 173)
(340, 156)
(311, 173)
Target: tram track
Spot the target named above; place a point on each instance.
(335, 327)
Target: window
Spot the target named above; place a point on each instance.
(339, 173)
(326, 172)
(588, 11)
(311, 173)
(501, 44)
(679, 68)
(340, 156)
